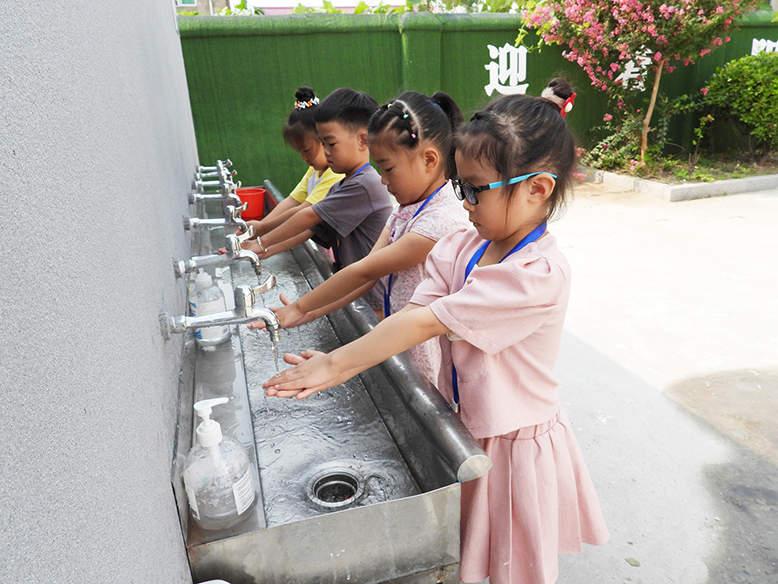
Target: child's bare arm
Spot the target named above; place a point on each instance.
(414, 324)
(282, 213)
(384, 259)
(300, 222)
(284, 245)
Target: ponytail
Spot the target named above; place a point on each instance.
(413, 117)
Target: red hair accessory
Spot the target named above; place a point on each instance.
(568, 105)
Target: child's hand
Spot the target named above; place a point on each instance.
(289, 315)
(252, 245)
(312, 373)
(222, 250)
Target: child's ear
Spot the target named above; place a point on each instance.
(431, 159)
(362, 138)
(541, 186)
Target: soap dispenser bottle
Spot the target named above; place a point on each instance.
(218, 477)
(207, 298)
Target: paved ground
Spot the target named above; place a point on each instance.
(669, 372)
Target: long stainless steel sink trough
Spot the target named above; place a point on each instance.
(359, 483)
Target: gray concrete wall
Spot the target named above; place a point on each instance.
(97, 150)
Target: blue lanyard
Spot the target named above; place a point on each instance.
(388, 289)
(353, 175)
(533, 235)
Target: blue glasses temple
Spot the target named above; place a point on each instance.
(516, 179)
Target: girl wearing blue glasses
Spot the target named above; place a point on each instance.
(411, 140)
(496, 297)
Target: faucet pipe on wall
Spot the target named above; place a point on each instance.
(221, 165)
(223, 183)
(245, 311)
(231, 217)
(235, 253)
(227, 196)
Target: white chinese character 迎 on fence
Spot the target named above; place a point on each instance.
(507, 69)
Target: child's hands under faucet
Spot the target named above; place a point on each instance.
(289, 315)
(250, 245)
(313, 369)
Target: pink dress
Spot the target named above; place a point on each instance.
(538, 500)
(443, 214)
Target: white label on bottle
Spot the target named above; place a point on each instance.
(211, 333)
(190, 494)
(243, 489)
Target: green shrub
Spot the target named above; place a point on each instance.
(745, 91)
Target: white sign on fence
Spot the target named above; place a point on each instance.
(759, 45)
(507, 69)
(633, 71)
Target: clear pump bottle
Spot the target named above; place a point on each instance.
(218, 477)
(207, 298)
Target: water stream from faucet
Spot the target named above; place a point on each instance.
(275, 351)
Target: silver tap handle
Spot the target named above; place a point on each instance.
(266, 286)
(232, 244)
(246, 235)
(234, 199)
(241, 223)
(234, 217)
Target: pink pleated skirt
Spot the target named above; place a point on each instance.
(536, 502)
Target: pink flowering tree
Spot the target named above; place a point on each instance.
(623, 45)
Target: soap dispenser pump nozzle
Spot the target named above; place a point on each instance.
(209, 432)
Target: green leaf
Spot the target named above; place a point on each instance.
(632, 562)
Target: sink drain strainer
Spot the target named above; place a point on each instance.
(336, 488)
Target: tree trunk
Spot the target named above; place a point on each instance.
(650, 111)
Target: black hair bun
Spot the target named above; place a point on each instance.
(305, 93)
(561, 88)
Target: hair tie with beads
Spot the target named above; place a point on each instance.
(301, 105)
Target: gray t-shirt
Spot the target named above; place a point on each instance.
(354, 213)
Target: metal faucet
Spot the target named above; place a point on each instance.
(223, 175)
(234, 254)
(222, 184)
(231, 217)
(221, 165)
(244, 311)
(227, 194)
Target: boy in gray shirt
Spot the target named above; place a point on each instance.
(354, 212)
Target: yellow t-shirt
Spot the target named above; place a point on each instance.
(313, 188)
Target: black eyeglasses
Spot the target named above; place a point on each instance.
(464, 190)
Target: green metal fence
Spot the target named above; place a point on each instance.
(243, 72)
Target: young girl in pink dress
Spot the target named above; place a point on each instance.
(496, 295)
(411, 140)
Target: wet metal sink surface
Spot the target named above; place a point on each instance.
(337, 430)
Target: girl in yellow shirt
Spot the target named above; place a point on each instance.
(300, 133)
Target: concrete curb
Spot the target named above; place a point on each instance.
(683, 192)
